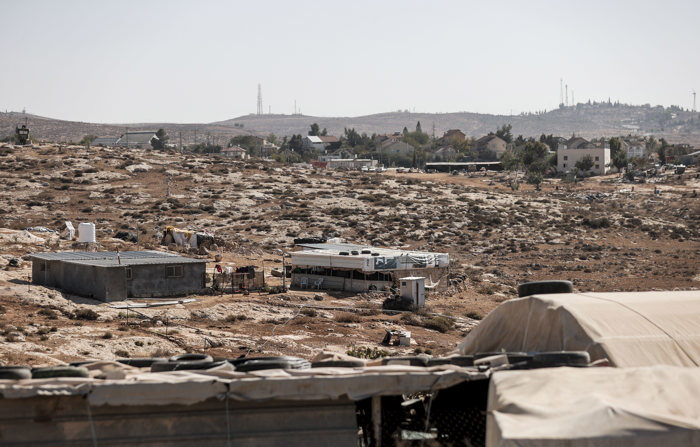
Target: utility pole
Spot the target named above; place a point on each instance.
(561, 91)
(566, 89)
(695, 109)
(180, 141)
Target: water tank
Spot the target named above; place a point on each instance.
(86, 232)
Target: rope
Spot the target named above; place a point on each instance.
(92, 425)
(228, 423)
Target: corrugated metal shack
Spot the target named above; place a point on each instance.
(113, 276)
(357, 268)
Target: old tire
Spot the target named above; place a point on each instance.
(59, 371)
(191, 358)
(15, 372)
(560, 358)
(460, 360)
(142, 362)
(544, 287)
(412, 360)
(273, 363)
(513, 357)
(338, 364)
(185, 366)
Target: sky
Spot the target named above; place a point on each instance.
(201, 61)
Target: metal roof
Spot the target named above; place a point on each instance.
(109, 258)
(345, 247)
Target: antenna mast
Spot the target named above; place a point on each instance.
(561, 91)
(260, 103)
(566, 89)
(695, 109)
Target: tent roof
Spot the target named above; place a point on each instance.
(648, 406)
(629, 329)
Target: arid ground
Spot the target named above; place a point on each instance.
(600, 233)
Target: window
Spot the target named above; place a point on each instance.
(403, 283)
(597, 166)
(128, 273)
(173, 271)
(597, 158)
(564, 164)
(566, 157)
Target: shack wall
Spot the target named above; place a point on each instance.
(150, 280)
(102, 283)
(338, 283)
(64, 421)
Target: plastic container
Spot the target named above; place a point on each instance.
(86, 232)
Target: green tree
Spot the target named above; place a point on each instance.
(315, 130)
(324, 132)
(405, 131)
(535, 178)
(158, 142)
(296, 143)
(584, 164)
(418, 128)
(504, 132)
(87, 140)
(619, 160)
(615, 146)
(661, 150)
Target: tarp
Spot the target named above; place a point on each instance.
(132, 386)
(629, 329)
(591, 407)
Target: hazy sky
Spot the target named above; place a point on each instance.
(201, 61)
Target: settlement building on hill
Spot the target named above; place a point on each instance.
(235, 153)
(357, 268)
(319, 142)
(137, 139)
(112, 276)
(493, 144)
(578, 148)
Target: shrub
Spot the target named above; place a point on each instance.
(474, 315)
(440, 324)
(121, 353)
(232, 318)
(309, 312)
(107, 335)
(348, 317)
(365, 352)
(86, 314)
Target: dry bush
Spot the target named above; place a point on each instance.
(348, 317)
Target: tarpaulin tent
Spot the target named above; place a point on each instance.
(629, 329)
(591, 407)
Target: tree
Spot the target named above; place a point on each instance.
(584, 164)
(662, 150)
(619, 160)
(296, 143)
(535, 178)
(87, 140)
(405, 131)
(615, 146)
(324, 132)
(418, 128)
(504, 133)
(533, 156)
(158, 142)
(315, 130)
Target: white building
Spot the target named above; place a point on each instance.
(318, 142)
(567, 158)
(351, 164)
(235, 153)
(351, 267)
(635, 151)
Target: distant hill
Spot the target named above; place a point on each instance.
(49, 129)
(587, 120)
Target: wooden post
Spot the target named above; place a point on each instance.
(377, 420)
